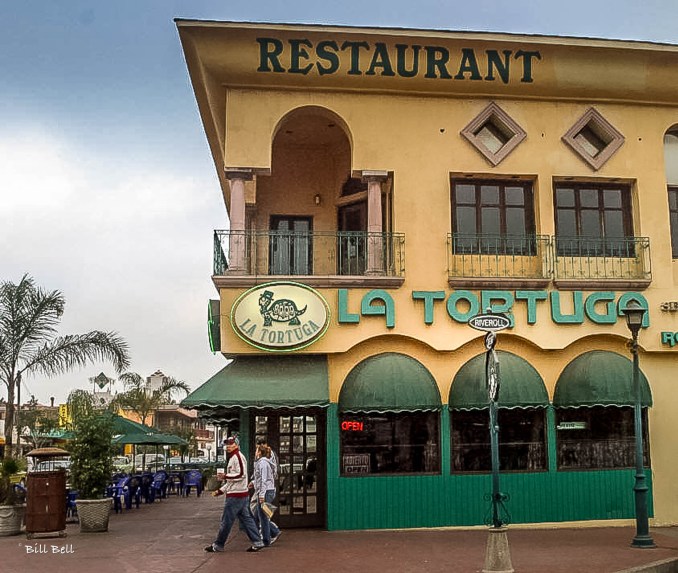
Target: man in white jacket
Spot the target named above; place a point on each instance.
(237, 500)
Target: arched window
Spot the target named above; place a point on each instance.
(594, 412)
(389, 417)
(671, 166)
(522, 425)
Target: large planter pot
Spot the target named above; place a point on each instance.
(93, 514)
(11, 519)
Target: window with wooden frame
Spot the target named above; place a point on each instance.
(673, 213)
(493, 217)
(593, 220)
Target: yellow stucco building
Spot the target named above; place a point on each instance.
(385, 186)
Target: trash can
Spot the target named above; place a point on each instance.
(46, 494)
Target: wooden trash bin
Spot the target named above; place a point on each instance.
(46, 503)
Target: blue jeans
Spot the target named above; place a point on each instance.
(237, 507)
(268, 529)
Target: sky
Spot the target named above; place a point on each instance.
(108, 192)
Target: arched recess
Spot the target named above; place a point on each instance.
(671, 170)
(594, 408)
(523, 400)
(389, 417)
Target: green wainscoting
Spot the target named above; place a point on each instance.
(446, 500)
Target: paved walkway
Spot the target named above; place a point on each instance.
(169, 536)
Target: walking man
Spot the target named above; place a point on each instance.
(237, 500)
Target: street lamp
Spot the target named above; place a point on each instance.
(635, 313)
(166, 448)
(209, 452)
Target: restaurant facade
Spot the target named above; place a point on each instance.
(383, 187)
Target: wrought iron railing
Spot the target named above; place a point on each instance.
(319, 253)
(498, 256)
(611, 258)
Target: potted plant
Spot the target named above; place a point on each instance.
(91, 460)
(12, 506)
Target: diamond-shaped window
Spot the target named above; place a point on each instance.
(594, 138)
(494, 133)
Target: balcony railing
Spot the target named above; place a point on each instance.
(605, 259)
(495, 257)
(319, 253)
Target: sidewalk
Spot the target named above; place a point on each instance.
(169, 536)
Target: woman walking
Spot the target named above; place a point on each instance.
(264, 490)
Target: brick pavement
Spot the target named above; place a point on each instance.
(169, 536)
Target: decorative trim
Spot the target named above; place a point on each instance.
(332, 281)
(501, 121)
(601, 128)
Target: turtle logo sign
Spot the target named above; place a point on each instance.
(280, 316)
(489, 322)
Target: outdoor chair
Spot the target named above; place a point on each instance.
(146, 487)
(193, 479)
(159, 485)
(126, 491)
(175, 483)
(71, 508)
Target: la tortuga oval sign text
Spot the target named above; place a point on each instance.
(280, 316)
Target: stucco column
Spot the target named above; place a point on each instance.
(375, 244)
(236, 244)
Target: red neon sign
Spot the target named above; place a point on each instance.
(350, 426)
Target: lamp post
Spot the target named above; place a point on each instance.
(166, 448)
(497, 552)
(635, 313)
(209, 453)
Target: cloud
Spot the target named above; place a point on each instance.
(129, 246)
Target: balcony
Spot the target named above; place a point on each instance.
(617, 262)
(498, 261)
(320, 258)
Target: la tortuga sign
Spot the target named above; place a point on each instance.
(280, 316)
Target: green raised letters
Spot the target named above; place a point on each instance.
(429, 297)
(590, 307)
(531, 296)
(559, 318)
(465, 295)
(345, 317)
(387, 309)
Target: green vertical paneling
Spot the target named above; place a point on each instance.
(551, 452)
(394, 501)
(244, 433)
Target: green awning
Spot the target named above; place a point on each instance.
(520, 385)
(265, 382)
(389, 382)
(599, 378)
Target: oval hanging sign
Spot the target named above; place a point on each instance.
(489, 322)
(280, 316)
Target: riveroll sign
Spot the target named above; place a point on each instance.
(280, 316)
(489, 322)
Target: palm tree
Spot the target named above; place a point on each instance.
(141, 399)
(29, 345)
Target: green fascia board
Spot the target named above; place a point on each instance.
(520, 385)
(265, 382)
(599, 378)
(389, 382)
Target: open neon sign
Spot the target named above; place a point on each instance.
(352, 426)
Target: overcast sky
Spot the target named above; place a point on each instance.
(108, 192)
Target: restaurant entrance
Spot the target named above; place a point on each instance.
(298, 438)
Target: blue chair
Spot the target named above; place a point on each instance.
(159, 485)
(71, 507)
(175, 483)
(126, 491)
(192, 479)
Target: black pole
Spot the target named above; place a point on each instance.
(492, 380)
(643, 539)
